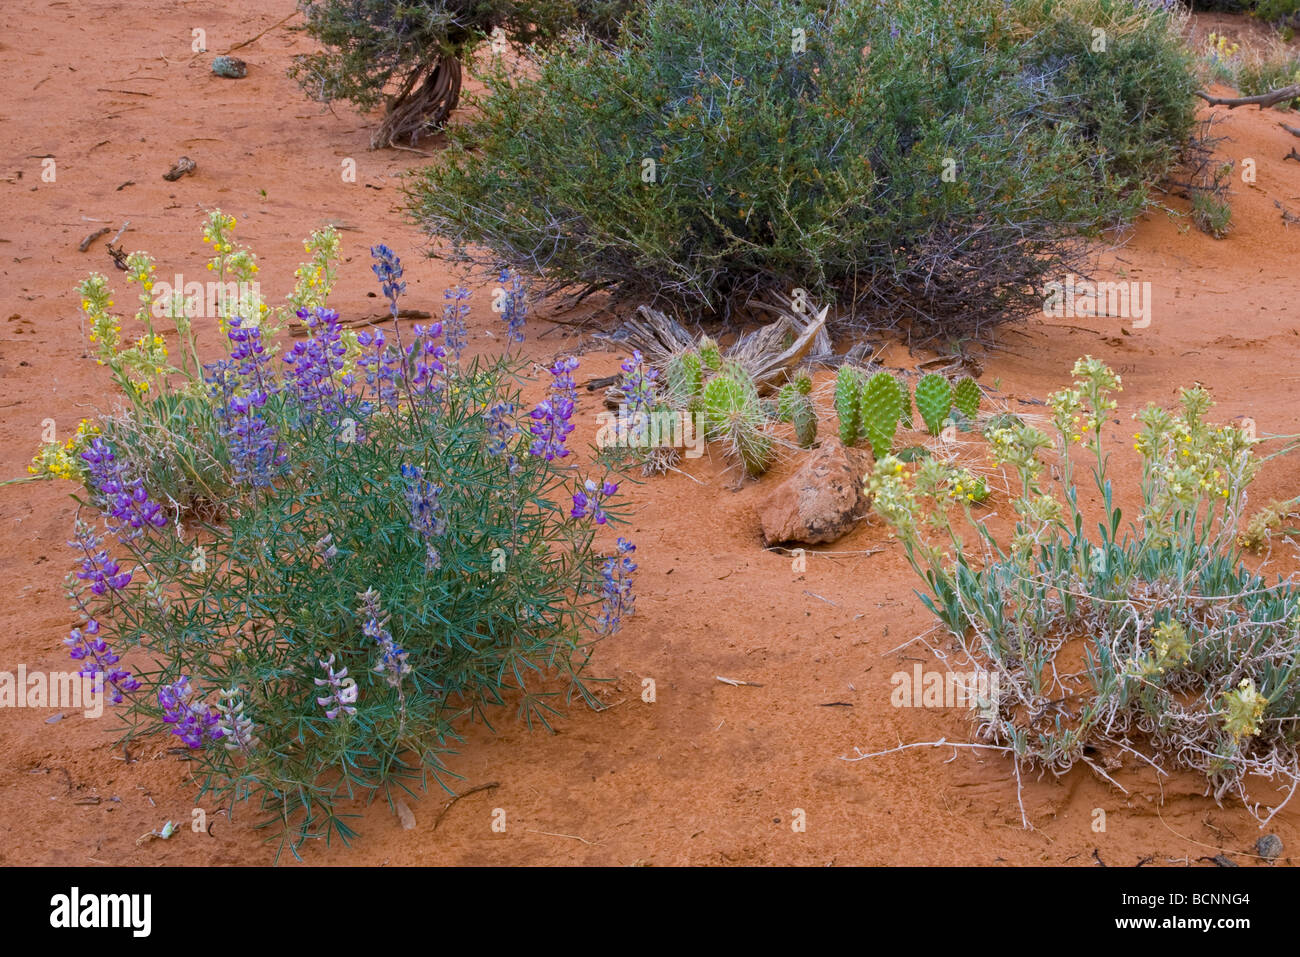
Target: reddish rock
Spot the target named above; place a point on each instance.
(820, 502)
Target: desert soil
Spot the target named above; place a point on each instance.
(709, 773)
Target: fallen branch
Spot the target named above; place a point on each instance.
(238, 46)
(85, 243)
(1260, 99)
(1293, 130)
(447, 806)
(736, 683)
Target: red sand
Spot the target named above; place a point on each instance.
(710, 773)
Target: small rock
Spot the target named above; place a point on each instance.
(1269, 847)
(1224, 861)
(404, 814)
(821, 502)
(231, 67)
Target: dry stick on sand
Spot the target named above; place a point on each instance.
(1261, 99)
(447, 806)
(1293, 130)
(85, 243)
(253, 39)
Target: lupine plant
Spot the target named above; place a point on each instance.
(393, 545)
(1150, 640)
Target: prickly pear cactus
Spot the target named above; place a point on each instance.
(733, 414)
(933, 401)
(880, 406)
(906, 419)
(966, 397)
(848, 390)
(795, 406)
(710, 354)
(685, 374)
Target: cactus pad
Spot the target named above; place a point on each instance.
(795, 406)
(734, 415)
(966, 397)
(848, 390)
(881, 405)
(933, 401)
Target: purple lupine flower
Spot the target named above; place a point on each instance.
(190, 721)
(236, 727)
(240, 387)
(502, 429)
(315, 379)
(251, 440)
(639, 391)
(388, 268)
(343, 691)
(427, 517)
(616, 588)
(501, 426)
(249, 352)
(380, 362)
(562, 382)
(426, 355)
(392, 659)
(86, 645)
(454, 314)
(551, 425)
(97, 567)
(514, 305)
(589, 501)
(125, 501)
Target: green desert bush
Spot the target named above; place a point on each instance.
(408, 55)
(1151, 639)
(929, 162)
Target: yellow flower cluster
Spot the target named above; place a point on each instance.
(105, 328)
(237, 264)
(1018, 446)
(1221, 48)
(1170, 650)
(140, 268)
(1188, 460)
(63, 459)
(1243, 709)
(315, 278)
(890, 495)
